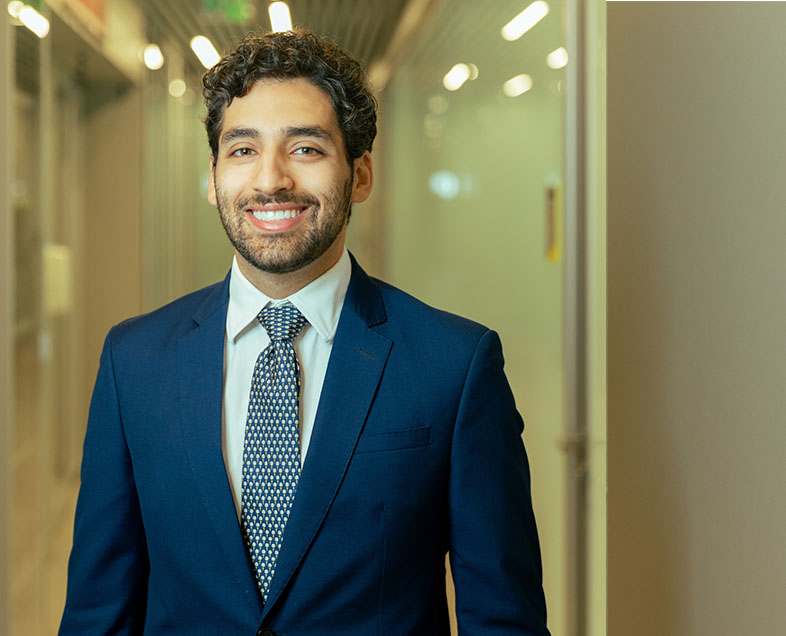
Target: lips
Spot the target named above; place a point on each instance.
(276, 215)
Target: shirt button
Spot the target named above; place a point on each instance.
(265, 632)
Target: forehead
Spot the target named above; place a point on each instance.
(271, 105)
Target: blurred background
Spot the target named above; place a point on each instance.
(489, 202)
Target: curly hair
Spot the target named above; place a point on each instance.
(290, 55)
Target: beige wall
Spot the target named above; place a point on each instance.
(696, 315)
(113, 227)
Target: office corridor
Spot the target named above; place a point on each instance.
(474, 210)
(491, 201)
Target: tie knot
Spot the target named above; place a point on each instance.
(282, 322)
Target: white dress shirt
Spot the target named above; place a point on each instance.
(320, 302)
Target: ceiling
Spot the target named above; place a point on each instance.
(365, 28)
(469, 31)
(422, 39)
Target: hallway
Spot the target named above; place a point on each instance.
(475, 210)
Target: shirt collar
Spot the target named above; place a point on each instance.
(320, 301)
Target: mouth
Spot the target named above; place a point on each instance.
(277, 217)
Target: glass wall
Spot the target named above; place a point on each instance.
(106, 200)
(472, 182)
(74, 200)
(45, 361)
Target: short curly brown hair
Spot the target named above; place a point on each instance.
(290, 55)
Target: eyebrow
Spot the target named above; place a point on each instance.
(239, 133)
(316, 132)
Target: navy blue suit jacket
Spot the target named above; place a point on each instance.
(416, 451)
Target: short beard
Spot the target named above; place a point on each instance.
(285, 253)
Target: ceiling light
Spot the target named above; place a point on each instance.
(34, 21)
(177, 88)
(280, 18)
(454, 79)
(518, 85)
(557, 58)
(205, 51)
(153, 57)
(14, 7)
(525, 20)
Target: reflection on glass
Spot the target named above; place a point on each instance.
(525, 20)
(454, 79)
(558, 58)
(518, 85)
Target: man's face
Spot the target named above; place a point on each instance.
(281, 180)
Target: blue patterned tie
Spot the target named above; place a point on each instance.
(271, 449)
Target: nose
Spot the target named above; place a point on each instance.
(273, 174)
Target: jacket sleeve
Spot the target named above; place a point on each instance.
(108, 566)
(494, 549)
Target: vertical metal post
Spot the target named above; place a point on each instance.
(6, 315)
(575, 441)
(47, 335)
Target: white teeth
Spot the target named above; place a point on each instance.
(275, 215)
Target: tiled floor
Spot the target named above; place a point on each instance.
(42, 511)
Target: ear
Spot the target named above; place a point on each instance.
(211, 182)
(364, 178)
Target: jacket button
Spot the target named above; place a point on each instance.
(265, 632)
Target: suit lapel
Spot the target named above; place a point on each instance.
(357, 361)
(200, 375)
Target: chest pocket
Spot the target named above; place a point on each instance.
(394, 440)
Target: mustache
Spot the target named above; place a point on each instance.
(263, 199)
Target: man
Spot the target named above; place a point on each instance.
(293, 451)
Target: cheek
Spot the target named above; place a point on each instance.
(229, 185)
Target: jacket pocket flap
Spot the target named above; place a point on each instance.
(394, 440)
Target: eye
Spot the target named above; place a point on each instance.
(242, 152)
(307, 151)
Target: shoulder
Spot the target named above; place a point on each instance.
(161, 327)
(380, 302)
(403, 306)
(403, 318)
(440, 341)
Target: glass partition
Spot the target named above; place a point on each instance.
(471, 160)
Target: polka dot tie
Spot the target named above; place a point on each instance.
(271, 449)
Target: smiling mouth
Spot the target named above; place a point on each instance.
(276, 215)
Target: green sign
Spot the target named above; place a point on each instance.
(237, 11)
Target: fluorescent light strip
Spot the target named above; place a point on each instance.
(34, 21)
(525, 20)
(153, 57)
(518, 85)
(454, 79)
(557, 58)
(280, 18)
(205, 51)
(14, 7)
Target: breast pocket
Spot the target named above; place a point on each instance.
(394, 440)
